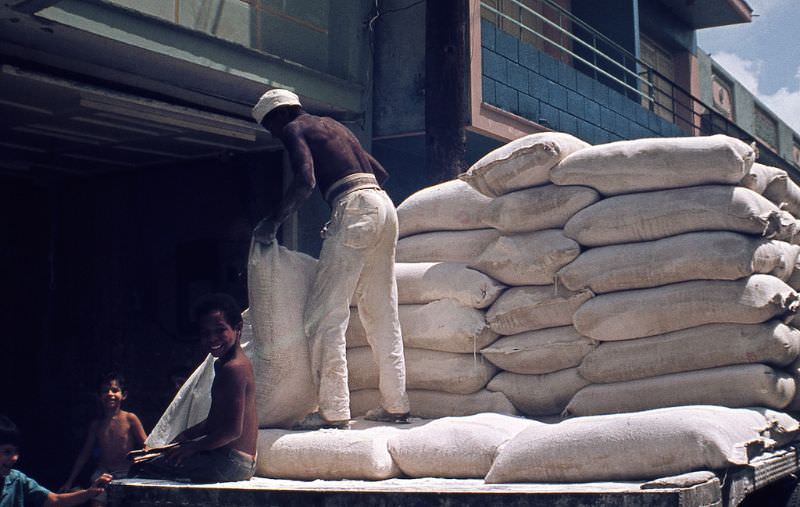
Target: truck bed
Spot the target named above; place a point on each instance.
(726, 488)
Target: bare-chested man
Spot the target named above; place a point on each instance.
(357, 256)
(222, 448)
(114, 435)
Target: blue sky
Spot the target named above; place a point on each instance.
(763, 55)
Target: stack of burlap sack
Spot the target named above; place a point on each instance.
(688, 254)
(640, 274)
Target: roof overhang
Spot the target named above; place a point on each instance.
(710, 13)
(112, 44)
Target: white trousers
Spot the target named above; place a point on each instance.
(357, 258)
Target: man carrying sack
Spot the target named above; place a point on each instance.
(357, 256)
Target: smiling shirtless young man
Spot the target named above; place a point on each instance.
(357, 256)
(222, 448)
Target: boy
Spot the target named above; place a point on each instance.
(357, 257)
(19, 490)
(221, 448)
(114, 434)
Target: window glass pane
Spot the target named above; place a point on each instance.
(318, 34)
(722, 96)
(766, 128)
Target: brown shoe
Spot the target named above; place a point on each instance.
(381, 415)
(314, 421)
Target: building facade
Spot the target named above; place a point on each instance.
(132, 172)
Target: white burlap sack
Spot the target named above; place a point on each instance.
(521, 309)
(442, 325)
(449, 206)
(637, 446)
(358, 454)
(784, 192)
(708, 255)
(760, 177)
(529, 258)
(794, 280)
(794, 370)
(783, 428)
(445, 246)
(424, 282)
(695, 348)
(543, 351)
(436, 404)
(533, 395)
(742, 385)
(647, 312)
(654, 164)
(278, 280)
(189, 406)
(425, 369)
(454, 447)
(538, 208)
(652, 215)
(522, 163)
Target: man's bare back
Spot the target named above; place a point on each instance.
(333, 148)
(234, 383)
(322, 151)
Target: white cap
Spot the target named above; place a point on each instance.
(272, 99)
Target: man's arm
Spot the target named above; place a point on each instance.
(300, 188)
(225, 419)
(192, 432)
(137, 430)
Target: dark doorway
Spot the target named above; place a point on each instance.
(99, 274)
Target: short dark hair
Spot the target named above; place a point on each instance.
(110, 376)
(224, 303)
(9, 434)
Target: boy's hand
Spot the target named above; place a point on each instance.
(100, 484)
(182, 452)
(266, 230)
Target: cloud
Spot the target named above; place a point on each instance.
(747, 72)
(785, 102)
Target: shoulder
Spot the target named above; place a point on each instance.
(131, 417)
(15, 475)
(298, 126)
(239, 368)
(17, 479)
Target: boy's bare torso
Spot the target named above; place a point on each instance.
(234, 382)
(115, 439)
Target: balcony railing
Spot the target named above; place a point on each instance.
(560, 34)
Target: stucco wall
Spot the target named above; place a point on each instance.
(744, 104)
(399, 70)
